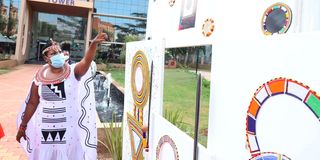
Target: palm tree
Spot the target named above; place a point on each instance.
(3, 21)
(11, 21)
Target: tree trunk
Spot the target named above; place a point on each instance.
(186, 58)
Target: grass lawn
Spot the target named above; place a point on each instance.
(180, 95)
(4, 70)
(118, 75)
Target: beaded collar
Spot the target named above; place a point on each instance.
(41, 75)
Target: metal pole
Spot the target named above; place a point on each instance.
(197, 50)
(197, 116)
(149, 110)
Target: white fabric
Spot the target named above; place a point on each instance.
(71, 122)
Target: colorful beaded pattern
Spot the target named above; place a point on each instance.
(140, 97)
(275, 87)
(166, 139)
(41, 75)
(135, 132)
(208, 27)
(277, 10)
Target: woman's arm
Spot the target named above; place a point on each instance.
(82, 67)
(28, 113)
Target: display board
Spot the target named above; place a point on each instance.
(263, 88)
(139, 57)
(264, 98)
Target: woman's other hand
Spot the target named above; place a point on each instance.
(21, 133)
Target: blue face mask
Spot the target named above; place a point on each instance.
(57, 61)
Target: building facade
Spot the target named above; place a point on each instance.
(123, 21)
(73, 23)
(64, 21)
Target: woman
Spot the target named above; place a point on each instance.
(58, 122)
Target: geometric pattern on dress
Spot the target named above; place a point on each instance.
(84, 113)
(53, 136)
(54, 110)
(28, 145)
(53, 92)
(54, 120)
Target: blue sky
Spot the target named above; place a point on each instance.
(16, 3)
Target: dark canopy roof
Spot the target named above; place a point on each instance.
(4, 39)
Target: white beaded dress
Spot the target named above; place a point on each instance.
(64, 125)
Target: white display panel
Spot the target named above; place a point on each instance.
(183, 144)
(285, 124)
(243, 59)
(154, 52)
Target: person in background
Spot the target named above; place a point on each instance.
(65, 47)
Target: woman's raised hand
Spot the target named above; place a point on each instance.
(100, 38)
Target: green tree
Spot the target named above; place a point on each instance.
(140, 23)
(12, 22)
(136, 28)
(127, 38)
(3, 20)
(82, 28)
(78, 24)
(43, 30)
(184, 53)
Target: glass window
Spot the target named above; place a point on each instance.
(117, 28)
(182, 65)
(121, 7)
(69, 31)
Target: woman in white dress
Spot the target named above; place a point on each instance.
(57, 121)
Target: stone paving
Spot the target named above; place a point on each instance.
(13, 90)
(205, 74)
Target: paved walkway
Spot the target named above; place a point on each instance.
(13, 90)
(205, 74)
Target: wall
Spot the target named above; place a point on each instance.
(8, 63)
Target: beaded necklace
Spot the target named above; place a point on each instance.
(41, 75)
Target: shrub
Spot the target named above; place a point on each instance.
(176, 118)
(113, 138)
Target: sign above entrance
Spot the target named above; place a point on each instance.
(62, 2)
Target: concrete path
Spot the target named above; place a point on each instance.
(13, 90)
(205, 74)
